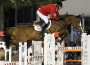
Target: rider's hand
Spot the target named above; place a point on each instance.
(61, 18)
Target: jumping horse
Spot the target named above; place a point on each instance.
(14, 35)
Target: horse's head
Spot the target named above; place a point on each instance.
(75, 22)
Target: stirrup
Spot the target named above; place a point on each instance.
(40, 33)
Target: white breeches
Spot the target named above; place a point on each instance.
(43, 17)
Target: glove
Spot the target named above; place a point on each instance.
(49, 19)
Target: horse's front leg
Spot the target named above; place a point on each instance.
(63, 33)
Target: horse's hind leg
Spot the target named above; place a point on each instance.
(7, 41)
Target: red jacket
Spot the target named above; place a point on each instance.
(50, 9)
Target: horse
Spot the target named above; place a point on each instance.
(14, 35)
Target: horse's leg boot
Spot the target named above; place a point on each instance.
(44, 26)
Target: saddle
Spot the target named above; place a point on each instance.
(37, 27)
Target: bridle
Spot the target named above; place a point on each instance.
(76, 26)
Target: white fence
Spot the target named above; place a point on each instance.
(49, 51)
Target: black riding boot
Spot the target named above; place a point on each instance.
(43, 27)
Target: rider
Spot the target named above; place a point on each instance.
(51, 9)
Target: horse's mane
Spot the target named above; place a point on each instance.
(66, 15)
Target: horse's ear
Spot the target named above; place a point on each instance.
(66, 13)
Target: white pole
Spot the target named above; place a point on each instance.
(45, 49)
(53, 49)
(10, 54)
(60, 54)
(20, 53)
(37, 52)
(25, 53)
(86, 47)
(49, 49)
(5, 53)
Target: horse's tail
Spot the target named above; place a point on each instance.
(7, 37)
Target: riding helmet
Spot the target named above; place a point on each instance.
(59, 3)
